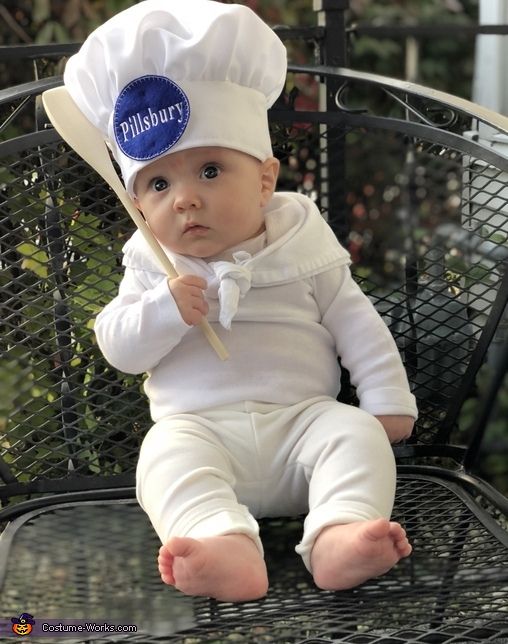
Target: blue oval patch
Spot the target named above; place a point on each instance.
(150, 116)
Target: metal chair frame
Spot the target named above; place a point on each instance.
(75, 544)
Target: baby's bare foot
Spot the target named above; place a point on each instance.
(227, 567)
(346, 555)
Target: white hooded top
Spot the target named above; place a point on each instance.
(285, 313)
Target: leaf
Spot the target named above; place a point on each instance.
(11, 375)
(41, 10)
(36, 260)
(45, 35)
(60, 33)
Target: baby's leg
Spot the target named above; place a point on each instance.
(348, 537)
(185, 483)
(227, 567)
(344, 556)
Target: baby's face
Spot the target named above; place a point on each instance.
(201, 201)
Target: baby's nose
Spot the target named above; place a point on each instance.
(186, 198)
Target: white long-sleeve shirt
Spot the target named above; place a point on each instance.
(292, 307)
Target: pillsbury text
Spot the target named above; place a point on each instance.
(144, 121)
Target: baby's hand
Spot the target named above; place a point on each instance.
(398, 428)
(188, 292)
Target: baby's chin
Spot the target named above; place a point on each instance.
(195, 254)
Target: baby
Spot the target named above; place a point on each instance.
(182, 102)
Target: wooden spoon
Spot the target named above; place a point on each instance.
(73, 126)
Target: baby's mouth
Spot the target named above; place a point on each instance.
(193, 228)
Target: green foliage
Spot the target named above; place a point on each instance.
(35, 259)
(493, 464)
(445, 62)
(61, 403)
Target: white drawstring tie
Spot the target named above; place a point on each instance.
(231, 282)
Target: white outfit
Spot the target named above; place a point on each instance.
(292, 307)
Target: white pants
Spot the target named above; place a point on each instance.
(212, 472)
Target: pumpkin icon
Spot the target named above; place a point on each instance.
(23, 624)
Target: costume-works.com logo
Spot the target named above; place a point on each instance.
(23, 624)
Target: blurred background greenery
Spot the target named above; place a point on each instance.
(444, 63)
(434, 59)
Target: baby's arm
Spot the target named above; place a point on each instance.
(368, 350)
(141, 324)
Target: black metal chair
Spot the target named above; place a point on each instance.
(420, 201)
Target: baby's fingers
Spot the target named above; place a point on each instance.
(193, 280)
(188, 293)
(194, 312)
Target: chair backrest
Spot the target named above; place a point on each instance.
(402, 177)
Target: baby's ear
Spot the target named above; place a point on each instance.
(138, 205)
(136, 202)
(269, 174)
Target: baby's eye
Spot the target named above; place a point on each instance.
(159, 184)
(210, 172)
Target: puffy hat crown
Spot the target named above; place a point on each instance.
(169, 75)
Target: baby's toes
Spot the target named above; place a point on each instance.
(165, 564)
(397, 532)
(403, 547)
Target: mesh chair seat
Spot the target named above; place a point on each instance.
(99, 566)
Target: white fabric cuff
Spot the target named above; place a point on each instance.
(389, 401)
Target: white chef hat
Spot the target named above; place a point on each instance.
(169, 75)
